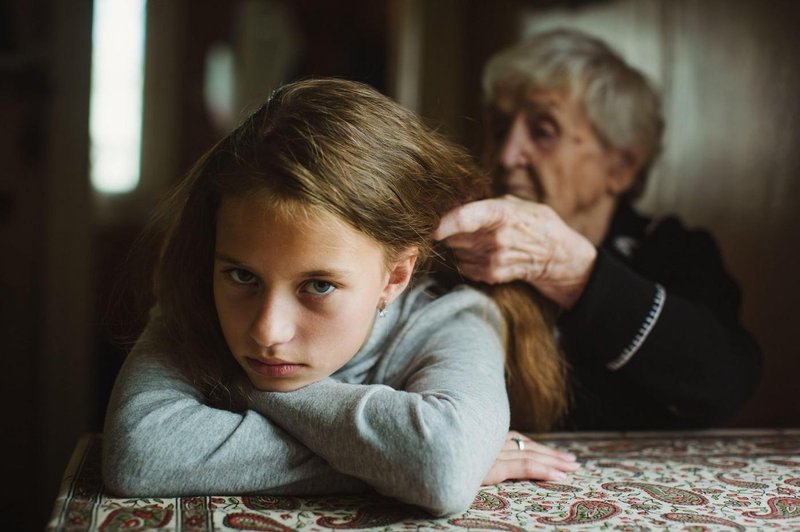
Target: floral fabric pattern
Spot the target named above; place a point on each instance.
(690, 481)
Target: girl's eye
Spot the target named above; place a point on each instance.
(240, 276)
(319, 288)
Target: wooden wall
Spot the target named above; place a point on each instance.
(45, 272)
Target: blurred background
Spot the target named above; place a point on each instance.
(104, 105)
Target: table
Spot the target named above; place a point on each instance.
(702, 480)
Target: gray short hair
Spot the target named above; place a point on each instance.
(622, 106)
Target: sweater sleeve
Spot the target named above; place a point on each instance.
(429, 439)
(671, 329)
(160, 439)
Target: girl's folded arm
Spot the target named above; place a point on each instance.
(430, 444)
(161, 440)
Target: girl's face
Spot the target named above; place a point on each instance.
(297, 299)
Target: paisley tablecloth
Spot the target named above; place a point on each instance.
(720, 480)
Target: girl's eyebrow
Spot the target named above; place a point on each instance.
(330, 272)
(335, 274)
(226, 258)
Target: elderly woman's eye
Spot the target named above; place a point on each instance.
(543, 130)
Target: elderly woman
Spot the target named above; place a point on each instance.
(648, 316)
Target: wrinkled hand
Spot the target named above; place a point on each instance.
(534, 462)
(506, 239)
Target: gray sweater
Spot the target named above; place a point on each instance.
(418, 414)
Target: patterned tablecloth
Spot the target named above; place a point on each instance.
(721, 480)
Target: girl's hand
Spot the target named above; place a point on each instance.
(533, 461)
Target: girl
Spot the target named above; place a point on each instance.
(291, 350)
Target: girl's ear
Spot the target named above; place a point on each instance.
(400, 273)
(624, 167)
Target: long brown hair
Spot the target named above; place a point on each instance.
(536, 370)
(344, 148)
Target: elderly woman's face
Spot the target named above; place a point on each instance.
(550, 153)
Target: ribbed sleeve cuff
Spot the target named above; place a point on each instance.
(614, 315)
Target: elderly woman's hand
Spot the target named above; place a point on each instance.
(523, 459)
(507, 239)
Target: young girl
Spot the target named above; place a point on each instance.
(291, 350)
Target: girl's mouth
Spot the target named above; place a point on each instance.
(273, 368)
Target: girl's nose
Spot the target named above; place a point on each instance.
(274, 324)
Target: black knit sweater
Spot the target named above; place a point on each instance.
(655, 341)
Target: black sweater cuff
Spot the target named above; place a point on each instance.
(613, 316)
